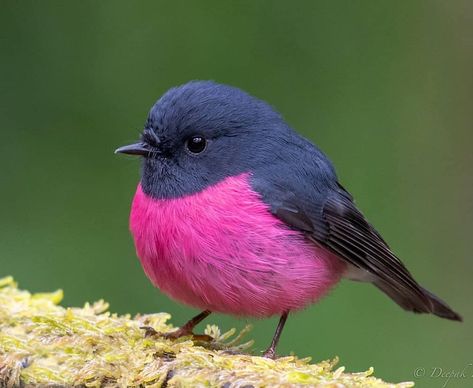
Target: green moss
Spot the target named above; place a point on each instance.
(42, 343)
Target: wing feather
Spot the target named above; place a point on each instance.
(350, 234)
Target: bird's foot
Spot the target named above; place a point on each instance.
(149, 331)
(184, 332)
(270, 353)
(173, 335)
(233, 352)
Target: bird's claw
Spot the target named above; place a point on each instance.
(149, 331)
(173, 335)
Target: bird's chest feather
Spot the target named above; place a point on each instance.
(221, 249)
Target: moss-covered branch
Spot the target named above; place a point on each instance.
(42, 343)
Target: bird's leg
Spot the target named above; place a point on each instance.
(271, 351)
(187, 328)
(184, 330)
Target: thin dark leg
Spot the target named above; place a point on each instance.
(189, 325)
(271, 352)
(184, 330)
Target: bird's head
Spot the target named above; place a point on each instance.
(202, 132)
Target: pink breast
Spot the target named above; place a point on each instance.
(222, 250)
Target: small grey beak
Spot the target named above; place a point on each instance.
(134, 149)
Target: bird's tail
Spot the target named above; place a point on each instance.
(424, 303)
(440, 308)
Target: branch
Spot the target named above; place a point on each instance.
(42, 343)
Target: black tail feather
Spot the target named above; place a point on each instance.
(440, 308)
(428, 303)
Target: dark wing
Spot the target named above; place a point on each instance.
(339, 226)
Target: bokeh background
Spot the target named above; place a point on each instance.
(385, 88)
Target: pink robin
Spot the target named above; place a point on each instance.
(238, 214)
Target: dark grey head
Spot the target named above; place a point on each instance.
(199, 133)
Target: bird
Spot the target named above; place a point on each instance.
(236, 213)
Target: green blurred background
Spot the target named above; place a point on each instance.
(384, 88)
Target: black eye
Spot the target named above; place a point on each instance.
(196, 144)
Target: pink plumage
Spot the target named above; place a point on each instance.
(222, 250)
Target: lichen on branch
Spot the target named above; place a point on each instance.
(43, 343)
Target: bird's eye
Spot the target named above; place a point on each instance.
(196, 144)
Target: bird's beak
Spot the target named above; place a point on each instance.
(134, 149)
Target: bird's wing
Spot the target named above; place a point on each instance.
(333, 221)
(352, 237)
